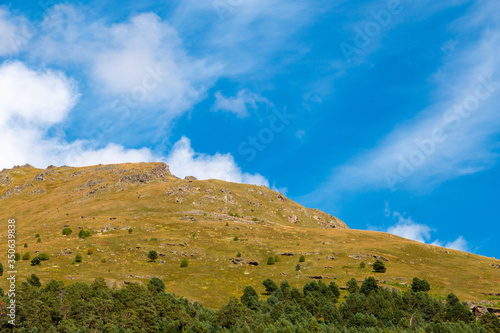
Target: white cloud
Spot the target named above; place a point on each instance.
(407, 228)
(458, 244)
(41, 98)
(33, 101)
(14, 33)
(184, 161)
(239, 104)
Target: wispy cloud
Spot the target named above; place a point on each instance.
(452, 137)
(142, 59)
(15, 33)
(240, 104)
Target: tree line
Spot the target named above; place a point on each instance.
(83, 308)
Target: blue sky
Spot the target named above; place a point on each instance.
(383, 113)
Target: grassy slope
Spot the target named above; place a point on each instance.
(165, 211)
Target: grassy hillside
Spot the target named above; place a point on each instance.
(198, 221)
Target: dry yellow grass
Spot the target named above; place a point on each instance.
(164, 212)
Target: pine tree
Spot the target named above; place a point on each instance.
(368, 285)
(379, 267)
(270, 286)
(34, 281)
(352, 286)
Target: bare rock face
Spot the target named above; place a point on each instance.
(190, 178)
(16, 190)
(39, 177)
(159, 172)
(37, 190)
(293, 219)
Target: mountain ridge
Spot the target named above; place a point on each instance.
(227, 231)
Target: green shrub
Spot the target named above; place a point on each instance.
(255, 219)
(26, 256)
(78, 258)
(238, 255)
(153, 255)
(156, 285)
(277, 258)
(35, 261)
(103, 261)
(38, 240)
(362, 265)
(1, 269)
(302, 258)
(17, 256)
(184, 263)
(270, 261)
(130, 230)
(297, 268)
(37, 235)
(420, 285)
(84, 233)
(43, 256)
(235, 238)
(25, 245)
(67, 231)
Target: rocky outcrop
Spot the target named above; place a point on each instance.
(16, 190)
(160, 172)
(481, 310)
(241, 261)
(40, 177)
(37, 190)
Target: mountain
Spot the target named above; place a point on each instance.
(208, 223)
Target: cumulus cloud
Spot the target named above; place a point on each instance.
(184, 161)
(14, 33)
(41, 98)
(239, 104)
(33, 101)
(406, 227)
